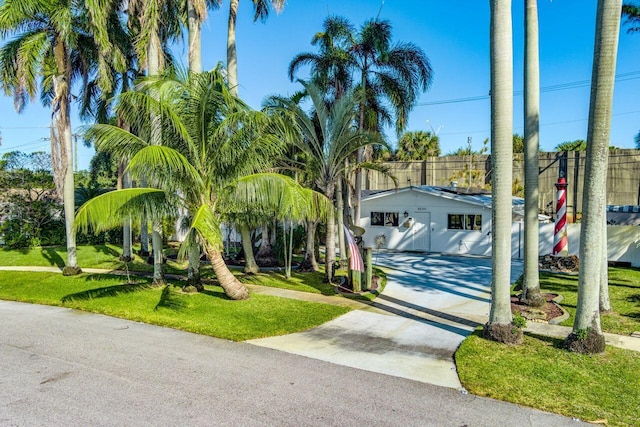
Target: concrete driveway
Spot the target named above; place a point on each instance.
(430, 304)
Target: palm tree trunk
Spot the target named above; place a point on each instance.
(125, 182)
(340, 211)
(265, 255)
(250, 266)
(605, 301)
(531, 283)
(499, 327)
(232, 55)
(62, 118)
(231, 286)
(586, 336)
(330, 249)
(156, 241)
(195, 50)
(310, 263)
(193, 269)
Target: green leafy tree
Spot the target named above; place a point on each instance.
(49, 35)
(331, 66)
(29, 207)
(577, 145)
(586, 336)
(327, 138)
(393, 74)
(631, 12)
(518, 143)
(419, 145)
(210, 140)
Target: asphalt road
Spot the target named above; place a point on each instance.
(63, 367)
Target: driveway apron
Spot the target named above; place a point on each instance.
(412, 330)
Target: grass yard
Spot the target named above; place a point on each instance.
(208, 313)
(624, 292)
(540, 374)
(95, 256)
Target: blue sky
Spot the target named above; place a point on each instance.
(456, 39)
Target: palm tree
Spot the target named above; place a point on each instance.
(327, 140)
(49, 35)
(631, 12)
(586, 336)
(331, 67)
(393, 74)
(261, 11)
(417, 145)
(500, 327)
(210, 139)
(196, 15)
(531, 283)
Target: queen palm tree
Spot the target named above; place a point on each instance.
(196, 15)
(389, 74)
(327, 138)
(331, 67)
(210, 139)
(261, 11)
(631, 12)
(500, 327)
(48, 36)
(586, 336)
(531, 282)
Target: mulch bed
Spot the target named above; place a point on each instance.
(537, 314)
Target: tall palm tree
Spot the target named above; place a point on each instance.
(586, 336)
(331, 67)
(531, 283)
(48, 36)
(210, 139)
(196, 15)
(261, 11)
(499, 327)
(389, 74)
(631, 12)
(327, 139)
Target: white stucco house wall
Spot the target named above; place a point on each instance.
(431, 219)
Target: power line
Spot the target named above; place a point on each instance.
(552, 88)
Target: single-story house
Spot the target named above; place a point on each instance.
(431, 219)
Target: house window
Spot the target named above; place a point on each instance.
(464, 222)
(388, 219)
(456, 222)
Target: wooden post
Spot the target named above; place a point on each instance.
(368, 254)
(356, 280)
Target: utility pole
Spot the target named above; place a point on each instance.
(469, 139)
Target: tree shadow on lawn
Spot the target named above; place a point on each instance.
(52, 256)
(170, 300)
(108, 291)
(106, 250)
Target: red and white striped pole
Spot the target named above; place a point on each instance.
(560, 240)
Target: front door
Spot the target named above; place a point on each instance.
(421, 228)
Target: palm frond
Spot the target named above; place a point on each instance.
(108, 210)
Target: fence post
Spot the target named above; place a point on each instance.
(368, 253)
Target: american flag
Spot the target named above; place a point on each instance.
(355, 263)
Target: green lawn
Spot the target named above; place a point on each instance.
(209, 313)
(540, 374)
(624, 292)
(95, 256)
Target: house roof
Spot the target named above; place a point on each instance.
(623, 215)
